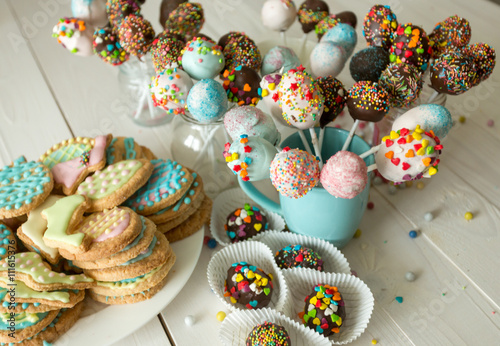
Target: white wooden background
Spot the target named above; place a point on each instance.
(47, 95)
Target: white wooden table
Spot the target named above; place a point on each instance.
(47, 95)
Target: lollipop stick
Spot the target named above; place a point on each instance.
(146, 89)
(321, 138)
(373, 150)
(433, 97)
(351, 134)
(304, 141)
(314, 140)
(283, 38)
(371, 168)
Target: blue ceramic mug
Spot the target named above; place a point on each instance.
(319, 214)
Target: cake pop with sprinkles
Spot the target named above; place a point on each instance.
(268, 334)
(278, 15)
(107, 47)
(242, 85)
(429, 116)
(202, 59)
(251, 121)
(207, 101)
(74, 35)
(278, 58)
(270, 86)
(335, 97)
(165, 50)
(187, 19)
(245, 223)
(411, 45)
(452, 73)
(407, 155)
(310, 13)
(117, 10)
(169, 90)
(300, 99)
(136, 35)
(367, 101)
(369, 63)
(344, 175)
(342, 35)
(224, 39)
(452, 33)
(294, 172)
(403, 83)
(298, 256)
(484, 58)
(167, 7)
(241, 50)
(379, 25)
(325, 24)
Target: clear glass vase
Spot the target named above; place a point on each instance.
(200, 147)
(135, 77)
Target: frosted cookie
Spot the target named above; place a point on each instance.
(123, 148)
(148, 154)
(36, 274)
(26, 325)
(109, 230)
(72, 160)
(168, 182)
(7, 241)
(115, 183)
(23, 186)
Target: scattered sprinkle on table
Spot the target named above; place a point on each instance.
(413, 234)
(189, 320)
(357, 234)
(410, 276)
(428, 216)
(468, 216)
(221, 315)
(399, 299)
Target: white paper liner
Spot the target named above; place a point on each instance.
(357, 297)
(254, 253)
(333, 260)
(227, 202)
(237, 325)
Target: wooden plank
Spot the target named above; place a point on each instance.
(152, 334)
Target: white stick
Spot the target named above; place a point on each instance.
(140, 107)
(304, 141)
(283, 37)
(321, 138)
(371, 167)
(351, 134)
(314, 140)
(433, 97)
(373, 150)
(146, 89)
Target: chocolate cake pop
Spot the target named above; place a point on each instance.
(403, 83)
(242, 85)
(326, 306)
(278, 15)
(270, 86)
(344, 175)
(311, 12)
(202, 59)
(241, 50)
(167, 7)
(335, 99)
(452, 33)
(411, 45)
(367, 101)
(294, 172)
(108, 48)
(136, 35)
(298, 256)
(117, 10)
(347, 17)
(248, 285)
(187, 19)
(379, 25)
(327, 59)
(170, 89)
(228, 37)
(207, 101)
(165, 51)
(484, 58)
(342, 35)
(92, 12)
(277, 58)
(74, 35)
(251, 121)
(369, 63)
(452, 73)
(268, 334)
(245, 223)
(431, 117)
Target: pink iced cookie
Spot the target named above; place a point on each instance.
(344, 175)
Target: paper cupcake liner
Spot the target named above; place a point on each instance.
(236, 327)
(357, 297)
(333, 260)
(227, 202)
(254, 253)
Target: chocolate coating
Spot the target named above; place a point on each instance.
(136, 35)
(242, 85)
(452, 73)
(241, 50)
(403, 83)
(411, 45)
(268, 334)
(108, 47)
(484, 58)
(165, 50)
(297, 256)
(347, 17)
(206, 37)
(367, 101)
(187, 19)
(335, 97)
(167, 7)
(248, 285)
(369, 63)
(223, 41)
(331, 317)
(379, 26)
(244, 223)
(117, 10)
(452, 33)
(311, 12)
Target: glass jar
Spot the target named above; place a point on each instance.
(135, 77)
(200, 147)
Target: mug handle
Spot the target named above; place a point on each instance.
(259, 197)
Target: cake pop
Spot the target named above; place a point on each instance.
(207, 101)
(484, 60)
(165, 51)
(136, 35)
(241, 50)
(270, 86)
(347, 17)
(250, 157)
(245, 223)
(335, 97)
(170, 89)
(342, 35)
(268, 334)
(73, 34)
(242, 85)
(117, 10)
(92, 12)
(344, 175)
(379, 25)
(310, 13)
(278, 15)
(431, 117)
(298, 256)
(108, 48)
(187, 19)
(327, 59)
(452, 73)
(202, 59)
(251, 121)
(411, 45)
(367, 101)
(452, 33)
(369, 63)
(294, 172)
(325, 25)
(403, 83)
(278, 58)
(167, 7)
(223, 41)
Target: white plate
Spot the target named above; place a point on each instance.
(103, 324)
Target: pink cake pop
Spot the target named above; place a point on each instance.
(294, 172)
(344, 175)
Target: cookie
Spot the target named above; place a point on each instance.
(74, 159)
(8, 243)
(138, 245)
(63, 218)
(114, 184)
(24, 325)
(155, 255)
(123, 148)
(109, 230)
(148, 154)
(166, 186)
(36, 274)
(23, 186)
(193, 224)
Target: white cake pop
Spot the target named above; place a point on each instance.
(278, 15)
(270, 86)
(431, 116)
(170, 89)
(327, 59)
(251, 121)
(74, 35)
